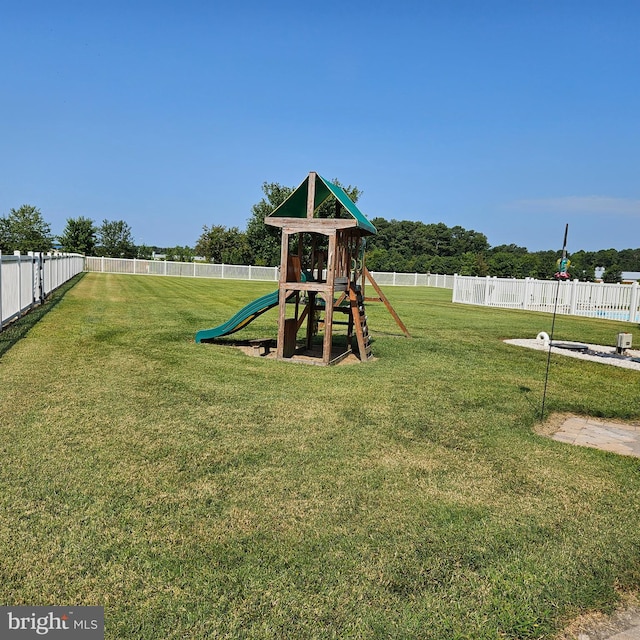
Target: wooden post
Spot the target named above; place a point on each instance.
(384, 299)
(357, 320)
(311, 195)
(290, 330)
(311, 308)
(282, 292)
(328, 300)
(350, 324)
(314, 257)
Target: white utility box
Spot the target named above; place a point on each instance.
(624, 341)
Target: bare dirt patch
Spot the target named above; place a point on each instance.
(314, 356)
(624, 622)
(553, 424)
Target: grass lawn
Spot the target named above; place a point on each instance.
(196, 492)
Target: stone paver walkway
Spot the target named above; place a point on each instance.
(609, 436)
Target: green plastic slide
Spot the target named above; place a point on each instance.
(241, 319)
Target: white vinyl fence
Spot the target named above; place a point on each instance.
(26, 280)
(413, 279)
(589, 299)
(183, 269)
(243, 272)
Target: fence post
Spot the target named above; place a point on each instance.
(486, 291)
(633, 305)
(17, 253)
(526, 293)
(573, 300)
(40, 277)
(250, 272)
(36, 277)
(33, 280)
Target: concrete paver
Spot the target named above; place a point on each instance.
(600, 434)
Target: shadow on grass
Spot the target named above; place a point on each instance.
(19, 329)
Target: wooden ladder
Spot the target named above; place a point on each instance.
(360, 321)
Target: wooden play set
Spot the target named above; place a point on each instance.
(322, 277)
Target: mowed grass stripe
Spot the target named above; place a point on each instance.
(197, 492)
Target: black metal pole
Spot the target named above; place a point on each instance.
(553, 323)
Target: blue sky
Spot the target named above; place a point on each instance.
(510, 118)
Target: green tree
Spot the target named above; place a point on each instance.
(509, 248)
(237, 249)
(79, 236)
(583, 266)
(264, 241)
(377, 259)
(115, 240)
(211, 243)
(629, 259)
(529, 266)
(606, 258)
(441, 239)
(24, 230)
(144, 252)
(473, 264)
(180, 254)
(219, 244)
(468, 241)
(416, 246)
(503, 264)
(612, 273)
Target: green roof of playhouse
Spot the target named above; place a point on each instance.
(295, 206)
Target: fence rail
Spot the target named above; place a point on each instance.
(588, 299)
(243, 272)
(26, 280)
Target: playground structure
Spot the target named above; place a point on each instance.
(322, 277)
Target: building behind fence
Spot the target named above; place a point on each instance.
(26, 280)
(588, 299)
(243, 272)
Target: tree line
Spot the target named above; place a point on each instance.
(25, 229)
(406, 246)
(400, 245)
